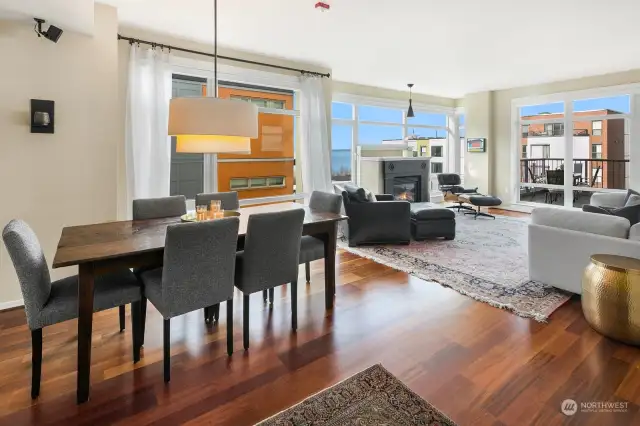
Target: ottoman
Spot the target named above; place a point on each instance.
(479, 201)
(432, 221)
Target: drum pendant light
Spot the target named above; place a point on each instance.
(212, 125)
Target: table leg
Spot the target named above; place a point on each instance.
(330, 265)
(85, 323)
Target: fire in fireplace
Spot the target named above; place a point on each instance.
(407, 188)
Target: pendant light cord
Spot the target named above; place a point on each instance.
(215, 48)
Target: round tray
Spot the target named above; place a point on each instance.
(191, 217)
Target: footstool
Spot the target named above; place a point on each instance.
(431, 221)
(479, 201)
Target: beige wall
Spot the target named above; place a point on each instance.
(68, 177)
(478, 109)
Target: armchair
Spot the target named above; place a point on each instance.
(377, 222)
(450, 182)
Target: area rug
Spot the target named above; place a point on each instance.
(487, 261)
(371, 397)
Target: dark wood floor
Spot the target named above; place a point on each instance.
(478, 364)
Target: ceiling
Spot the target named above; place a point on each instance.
(447, 48)
(70, 15)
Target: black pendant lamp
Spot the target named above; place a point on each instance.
(410, 113)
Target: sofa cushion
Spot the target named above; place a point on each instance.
(634, 232)
(630, 192)
(591, 223)
(631, 211)
(355, 194)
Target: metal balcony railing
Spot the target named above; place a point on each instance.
(587, 172)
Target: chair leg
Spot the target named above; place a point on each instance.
(36, 362)
(271, 295)
(265, 295)
(216, 312)
(143, 318)
(167, 351)
(230, 327)
(245, 321)
(136, 328)
(294, 305)
(307, 269)
(206, 314)
(121, 309)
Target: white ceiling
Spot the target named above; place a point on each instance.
(445, 47)
(70, 15)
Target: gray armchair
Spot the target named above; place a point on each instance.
(311, 247)
(197, 272)
(47, 303)
(228, 200)
(270, 259)
(384, 221)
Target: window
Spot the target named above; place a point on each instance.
(355, 124)
(524, 151)
(596, 151)
(240, 184)
(436, 151)
(540, 151)
(596, 128)
(558, 129)
(525, 130)
(436, 167)
(260, 102)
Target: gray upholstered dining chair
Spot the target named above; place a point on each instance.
(47, 303)
(270, 259)
(154, 208)
(198, 271)
(312, 248)
(228, 200)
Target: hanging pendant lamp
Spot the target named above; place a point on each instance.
(213, 125)
(410, 113)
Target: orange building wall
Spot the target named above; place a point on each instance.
(275, 141)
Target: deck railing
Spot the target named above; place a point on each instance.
(589, 172)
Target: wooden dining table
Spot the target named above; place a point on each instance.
(101, 248)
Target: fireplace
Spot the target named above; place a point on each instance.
(407, 188)
(407, 179)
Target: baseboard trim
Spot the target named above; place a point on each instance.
(5, 306)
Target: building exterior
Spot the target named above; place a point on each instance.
(598, 148)
(267, 171)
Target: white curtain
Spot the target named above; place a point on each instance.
(315, 149)
(147, 144)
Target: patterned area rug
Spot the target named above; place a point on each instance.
(371, 397)
(487, 261)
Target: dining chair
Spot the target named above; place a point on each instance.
(312, 248)
(270, 259)
(228, 200)
(154, 208)
(198, 271)
(47, 303)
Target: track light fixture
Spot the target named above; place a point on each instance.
(53, 33)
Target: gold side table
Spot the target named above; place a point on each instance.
(611, 297)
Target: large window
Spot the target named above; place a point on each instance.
(565, 168)
(359, 123)
(269, 170)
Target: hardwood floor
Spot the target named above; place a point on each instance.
(478, 364)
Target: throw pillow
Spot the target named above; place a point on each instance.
(632, 200)
(356, 195)
(631, 213)
(370, 196)
(630, 192)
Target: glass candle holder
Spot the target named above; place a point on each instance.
(216, 205)
(201, 213)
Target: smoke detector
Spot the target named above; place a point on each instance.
(323, 6)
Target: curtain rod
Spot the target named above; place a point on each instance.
(211, 55)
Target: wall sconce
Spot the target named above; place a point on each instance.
(42, 118)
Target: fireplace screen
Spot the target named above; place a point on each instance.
(407, 188)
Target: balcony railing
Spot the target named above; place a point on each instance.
(587, 172)
(549, 133)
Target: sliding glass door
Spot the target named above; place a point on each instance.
(568, 149)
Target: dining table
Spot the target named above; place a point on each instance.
(104, 247)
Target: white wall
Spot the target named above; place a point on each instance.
(68, 177)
